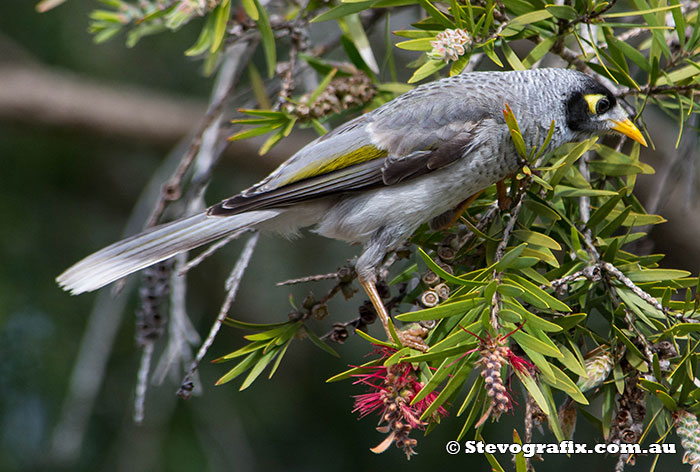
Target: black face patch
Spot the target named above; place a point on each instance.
(578, 115)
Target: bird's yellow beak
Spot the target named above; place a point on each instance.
(627, 128)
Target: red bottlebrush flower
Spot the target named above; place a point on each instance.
(493, 355)
(391, 390)
(520, 364)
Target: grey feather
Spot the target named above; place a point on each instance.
(140, 251)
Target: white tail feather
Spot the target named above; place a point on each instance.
(142, 250)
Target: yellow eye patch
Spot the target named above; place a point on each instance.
(592, 101)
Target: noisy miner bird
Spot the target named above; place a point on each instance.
(376, 178)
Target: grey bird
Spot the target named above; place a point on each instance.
(376, 178)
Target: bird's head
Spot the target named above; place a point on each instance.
(592, 109)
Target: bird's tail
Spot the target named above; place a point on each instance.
(142, 250)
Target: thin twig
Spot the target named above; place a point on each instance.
(232, 284)
(615, 272)
(172, 189)
(558, 283)
(181, 333)
(657, 89)
(208, 252)
(309, 278)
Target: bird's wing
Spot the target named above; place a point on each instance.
(415, 134)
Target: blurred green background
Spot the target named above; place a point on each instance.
(68, 187)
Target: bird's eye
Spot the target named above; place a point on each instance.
(602, 106)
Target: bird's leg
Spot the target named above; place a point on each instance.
(449, 218)
(504, 201)
(410, 337)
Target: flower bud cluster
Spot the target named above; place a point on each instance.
(598, 367)
(688, 430)
(493, 355)
(450, 45)
(340, 95)
(153, 295)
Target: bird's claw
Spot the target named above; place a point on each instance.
(413, 337)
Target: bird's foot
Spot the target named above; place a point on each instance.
(505, 204)
(413, 337)
(504, 201)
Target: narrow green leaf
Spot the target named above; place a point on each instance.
(251, 133)
(477, 387)
(258, 368)
(630, 345)
(510, 257)
(520, 462)
(571, 192)
(564, 12)
(643, 12)
(682, 329)
(268, 39)
(614, 224)
(549, 300)
(257, 326)
(250, 9)
(527, 341)
(511, 57)
(278, 359)
(205, 38)
(247, 349)
(320, 343)
(444, 310)
(532, 388)
(436, 14)
(480, 405)
(458, 66)
(274, 332)
(539, 51)
(444, 274)
(603, 211)
(532, 320)
(420, 44)
(569, 321)
(342, 10)
(427, 69)
(373, 340)
(509, 290)
(536, 238)
(258, 85)
(565, 384)
(516, 24)
(656, 275)
(353, 26)
(632, 54)
(242, 366)
(354, 371)
(572, 362)
(495, 466)
(452, 387)
(667, 400)
(221, 15)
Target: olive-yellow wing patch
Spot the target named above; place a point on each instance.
(357, 156)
